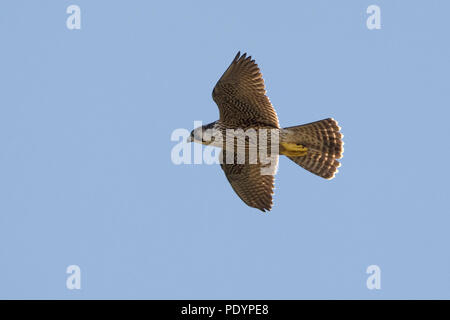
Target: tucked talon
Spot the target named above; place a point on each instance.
(293, 149)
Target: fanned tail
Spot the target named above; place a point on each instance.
(320, 145)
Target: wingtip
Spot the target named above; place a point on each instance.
(265, 209)
(242, 57)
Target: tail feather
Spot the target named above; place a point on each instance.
(324, 143)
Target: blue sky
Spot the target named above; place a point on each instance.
(86, 176)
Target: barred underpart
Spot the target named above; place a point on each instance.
(324, 142)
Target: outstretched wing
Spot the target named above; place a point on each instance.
(241, 97)
(250, 183)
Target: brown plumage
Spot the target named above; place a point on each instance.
(241, 97)
(325, 145)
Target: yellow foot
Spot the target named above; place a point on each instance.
(293, 149)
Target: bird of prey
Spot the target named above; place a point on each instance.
(241, 97)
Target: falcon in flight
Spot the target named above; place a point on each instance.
(241, 97)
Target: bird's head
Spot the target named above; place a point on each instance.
(203, 134)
